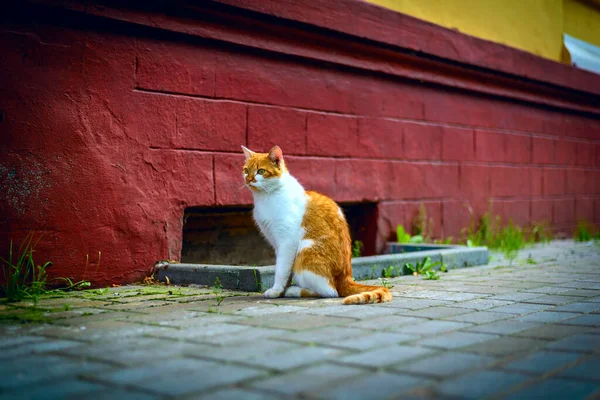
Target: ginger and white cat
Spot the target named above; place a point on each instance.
(308, 232)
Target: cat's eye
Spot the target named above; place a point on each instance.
(246, 170)
(261, 171)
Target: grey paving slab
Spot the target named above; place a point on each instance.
(553, 300)
(586, 293)
(552, 331)
(502, 327)
(586, 343)
(432, 327)
(586, 370)
(37, 347)
(579, 307)
(479, 317)
(387, 322)
(556, 389)
(584, 320)
(446, 364)
(505, 346)
(414, 304)
(297, 322)
(369, 341)
(482, 304)
(296, 357)
(63, 389)
(308, 379)
(235, 394)
(515, 296)
(380, 385)
(542, 362)
(520, 308)
(385, 356)
(324, 334)
(477, 385)
(547, 316)
(456, 340)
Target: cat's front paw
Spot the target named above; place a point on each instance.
(274, 292)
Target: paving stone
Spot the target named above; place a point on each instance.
(309, 379)
(505, 346)
(542, 362)
(514, 296)
(502, 327)
(552, 331)
(436, 312)
(548, 290)
(432, 327)
(456, 340)
(477, 385)
(114, 393)
(37, 347)
(482, 304)
(13, 341)
(556, 389)
(586, 370)
(520, 308)
(386, 356)
(356, 311)
(377, 339)
(585, 320)
(387, 322)
(593, 299)
(579, 285)
(582, 293)
(380, 385)
(553, 300)
(296, 357)
(236, 394)
(27, 371)
(414, 304)
(579, 307)
(241, 352)
(179, 376)
(446, 364)
(297, 322)
(547, 316)
(585, 343)
(324, 334)
(480, 317)
(64, 389)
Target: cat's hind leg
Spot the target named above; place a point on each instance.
(297, 291)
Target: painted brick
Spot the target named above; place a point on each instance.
(543, 150)
(316, 174)
(537, 181)
(541, 211)
(422, 141)
(186, 176)
(389, 216)
(475, 181)
(489, 146)
(360, 180)
(597, 155)
(585, 153)
(576, 181)
(455, 217)
(175, 67)
(210, 125)
(457, 144)
(270, 126)
(565, 152)
(517, 210)
(554, 181)
(229, 188)
(510, 181)
(419, 180)
(152, 120)
(329, 134)
(380, 138)
(563, 211)
(584, 209)
(517, 148)
(597, 210)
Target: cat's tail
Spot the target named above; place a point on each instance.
(355, 293)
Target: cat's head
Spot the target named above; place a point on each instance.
(262, 171)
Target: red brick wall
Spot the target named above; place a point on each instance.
(111, 126)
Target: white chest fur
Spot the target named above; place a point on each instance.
(279, 212)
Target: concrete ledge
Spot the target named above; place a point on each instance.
(256, 279)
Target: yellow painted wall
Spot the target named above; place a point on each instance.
(535, 26)
(582, 20)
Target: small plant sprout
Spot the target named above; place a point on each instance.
(357, 248)
(217, 290)
(385, 283)
(401, 235)
(426, 268)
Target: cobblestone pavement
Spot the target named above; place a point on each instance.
(527, 331)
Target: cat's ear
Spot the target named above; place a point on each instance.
(276, 155)
(247, 152)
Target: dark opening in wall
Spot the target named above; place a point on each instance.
(228, 235)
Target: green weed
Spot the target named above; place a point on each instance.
(259, 285)
(217, 290)
(357, 248)
(427, 268)
(585, 232)
(385, 283)
(401, 235)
